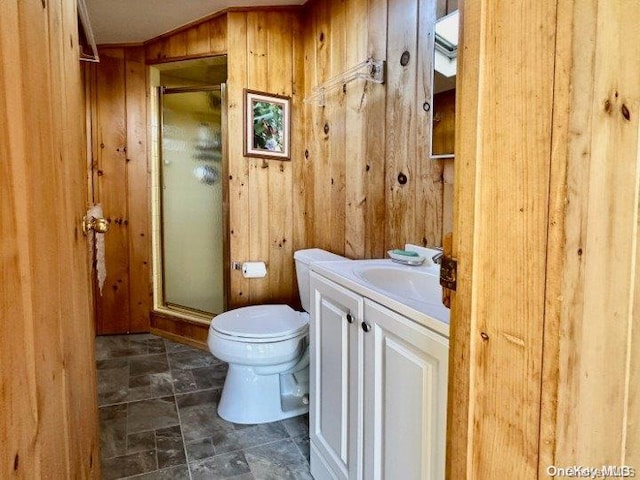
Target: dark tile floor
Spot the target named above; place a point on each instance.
(158, 419)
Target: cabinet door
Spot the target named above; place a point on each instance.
(336, 389)
(405, 388)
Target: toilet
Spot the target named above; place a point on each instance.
(267, 349)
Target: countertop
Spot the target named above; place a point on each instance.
(431, 312)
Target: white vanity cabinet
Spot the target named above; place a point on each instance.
(378, 390)
(405, 397)
(335, 389)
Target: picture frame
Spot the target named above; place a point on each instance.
(267, 125)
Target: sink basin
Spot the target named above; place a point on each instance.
(413, 283)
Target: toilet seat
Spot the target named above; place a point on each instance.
(261, 323)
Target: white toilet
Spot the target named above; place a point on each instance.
(267, 349)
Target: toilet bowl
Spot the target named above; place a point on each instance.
(267, 349)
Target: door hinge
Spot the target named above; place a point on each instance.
(448, 272)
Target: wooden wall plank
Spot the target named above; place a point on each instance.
(154, 51)
(598, 311)
(239, 226)
(307, 184)
(18, 408)
(78, 325)
(400, 123)
(355, 175)
(464, 218)
(198, 39)
(111, 164)
(512, 221)
(499, 311)
(336, 120)
(257, 78)
(42, 115)
(302, 181)
(177, 45)
(218, 35)
(319, 140)
(281, 276)
(58, 150)
(375, 228)
(138, 182)
(557, 239)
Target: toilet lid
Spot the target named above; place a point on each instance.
(261, 322)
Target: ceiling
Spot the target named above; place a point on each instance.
(135, 21)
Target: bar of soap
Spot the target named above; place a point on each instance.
(406, 253)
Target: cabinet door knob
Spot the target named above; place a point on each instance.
(349, 318)
(365, 326)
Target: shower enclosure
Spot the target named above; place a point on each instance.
(192, 240)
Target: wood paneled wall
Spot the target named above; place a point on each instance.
(265, 222)
(48, 404)
(371, 183)
(592, 334)
(360, 180)
(117, 89)
(544, 340)
(263, 55)
(204, 38)
(500, 239)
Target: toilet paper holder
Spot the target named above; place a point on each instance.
(238, 265)
(253, 269)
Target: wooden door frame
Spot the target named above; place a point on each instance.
(88, 79)
(548, 374)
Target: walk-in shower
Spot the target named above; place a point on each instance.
(190, 175)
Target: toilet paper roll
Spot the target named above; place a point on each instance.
(254, 269)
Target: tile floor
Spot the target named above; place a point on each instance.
(158, 419)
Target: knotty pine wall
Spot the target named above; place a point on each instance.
(204, 38)
(116, 89)
(266, 215)
(544, 328)
(264, 220)
(344, 189)
(370, 183)
(265, 207)
(591, 370)
(48, 403)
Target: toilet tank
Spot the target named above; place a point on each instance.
(303, 259)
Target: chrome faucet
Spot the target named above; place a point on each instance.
(437, 258)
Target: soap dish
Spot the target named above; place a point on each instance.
(405, 259)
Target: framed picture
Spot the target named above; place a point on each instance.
(267, 125)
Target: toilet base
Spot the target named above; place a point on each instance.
(250, 398)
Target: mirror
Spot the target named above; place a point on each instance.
(443, 101)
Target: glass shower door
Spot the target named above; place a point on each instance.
(192, 220)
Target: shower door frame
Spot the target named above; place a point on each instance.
(159, 294)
